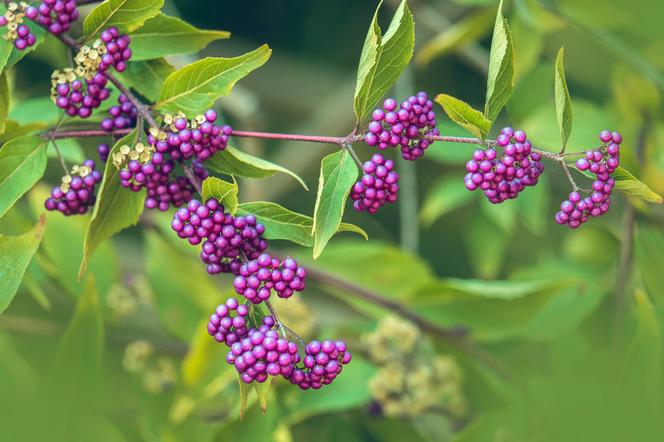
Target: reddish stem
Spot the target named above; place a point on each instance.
(292, 137)
(55, 135)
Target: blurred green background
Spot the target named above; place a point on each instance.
(551, 334)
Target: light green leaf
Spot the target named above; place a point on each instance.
(469, 28)
(245, 389)
(223, 191)
(444, 196)
(626, 182)
(196, 86)
(281, 223)
(501, 68)
(165, 35)
(9, 55)
(338, 172)
(383, 59)
(116, 208)
(5, 95)
(147, 77)
(35, 110)
(22, 164)
(464, 115)
(649, 259)
(563, 100)
(15, 254)
(232, 161)
(126, 15)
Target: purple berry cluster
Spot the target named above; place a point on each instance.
(76, 193)
(57, 15)
(226, 240)
(122, 116)
(406, 127)
(601, 162)
(379, 185)
(258, 353)
(199, 138)
(258, 277)
(78, 97)
(503, 175)
(18, 32)
(117, 50)
(322, 364)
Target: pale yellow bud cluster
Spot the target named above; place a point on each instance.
(81, 171)
(393, 336)
(61, 76)
(14, 14)
(140, 152)
(295, 312)
(88, 59)
(411, 378)
(156, 374)
(124, 300)
(169, 121)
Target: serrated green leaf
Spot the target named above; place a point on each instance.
(444, 196)
(464, 115)
(147, 77)
(126, 15)
(195, 87)
(563, 100)
(223, 191)
(232, 161)
(5, 96)
(116, 208)
(499, 85)
(469, 28)
(338, 173)
(626, 182)
(281, 223)
(165, 35)
(22, 164)
(383, 59)
(16, 252)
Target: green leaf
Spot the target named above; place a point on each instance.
(15, 254)
(126, 15)
(35, 110)
(147, 77)
(338, 173)
(469, 28)
(223, 191)
(165, 35)
(464, 115)
(245, 389)
(501, 68)
(116, 208)
(563, 100)
(22, 164)
(383, 59)
(444, 196)
(649, 259)
(281, 223)
(9, 55)
(232, 161)
(5, 95)
(196, 86)
(628, 183)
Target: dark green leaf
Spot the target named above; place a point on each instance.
(22, 164)
(165, 35)
(15, 254)
(383, 59)
(126, 15)
(563, 100)
(501, 68)
(444, 195)
(147, 77)
(116, 208)
(5, 95)
(628, 183)
(464, 115)
(195, 87)
(232, 161)
(338, 172)
(469, 28)
(223, 191)
(281, 223)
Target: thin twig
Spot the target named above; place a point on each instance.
(273, 312)
(193, 179)
(63, 164)
(565, 167)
